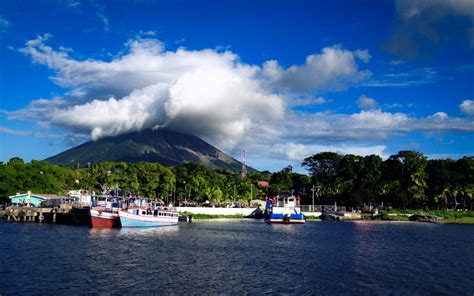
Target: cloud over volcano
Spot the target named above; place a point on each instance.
(216, 96)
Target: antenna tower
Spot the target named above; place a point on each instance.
(244, 167)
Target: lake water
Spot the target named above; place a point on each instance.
(239, 257)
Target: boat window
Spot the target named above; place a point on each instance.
(155, 213)
(143, 213)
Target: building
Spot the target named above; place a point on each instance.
(37, 200)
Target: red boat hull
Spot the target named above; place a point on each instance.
(106, 222)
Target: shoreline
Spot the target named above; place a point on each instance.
(319, 220)
(381, 218)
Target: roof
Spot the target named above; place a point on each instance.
(43, 196)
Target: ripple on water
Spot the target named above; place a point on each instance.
(238, 257)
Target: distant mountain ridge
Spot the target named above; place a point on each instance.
(161, 146)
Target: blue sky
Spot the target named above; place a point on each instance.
(284, 79)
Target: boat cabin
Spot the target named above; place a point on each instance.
(283, 204)
(285, 201)
(149, 212)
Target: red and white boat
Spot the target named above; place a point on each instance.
(105, 214)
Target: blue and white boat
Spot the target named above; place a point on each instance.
(146, 217)
(284, 210)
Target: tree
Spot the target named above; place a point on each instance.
(441, 179)
(408, 167)
(464, 180)
(282, 180)
(323, 166)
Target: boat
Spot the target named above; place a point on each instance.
(284, 210)
(148, 217)
(105, 213)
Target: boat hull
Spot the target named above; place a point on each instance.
(129, 220)
(279, 221)
(103, 219)
(286, 219)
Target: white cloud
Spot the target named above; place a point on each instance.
(4, 24)
(378, 119)
(179, 41)
(307, 101)
(38, 111)
(334, 69)
(104, 19)
(409, 77)
(148, 33)
(440, 116)
(412, 8)
(73, 3)
(467, 106)
(37, 134)
(396, 62)
(100, 13)
(367, 125)
(426, 24)
(298, 152)
(363, 55)
(365, 102)
(8, 131)
(214, 95)
(221, 47)
(206, 93)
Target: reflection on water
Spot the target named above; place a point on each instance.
(103, 232)
(286, 228)
(238, 257)
(138, 231)
(148, 231)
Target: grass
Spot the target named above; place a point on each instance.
(462, 220)
(312, 217)
(207, 216)
(390, 215)
(386, 217)
(448, 216)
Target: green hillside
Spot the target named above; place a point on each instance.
(161, 146)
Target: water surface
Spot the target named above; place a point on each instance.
(239, 257)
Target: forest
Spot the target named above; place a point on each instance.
(406, 180)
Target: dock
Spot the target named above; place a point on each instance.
(64, 214)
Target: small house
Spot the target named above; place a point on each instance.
(37, 200)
